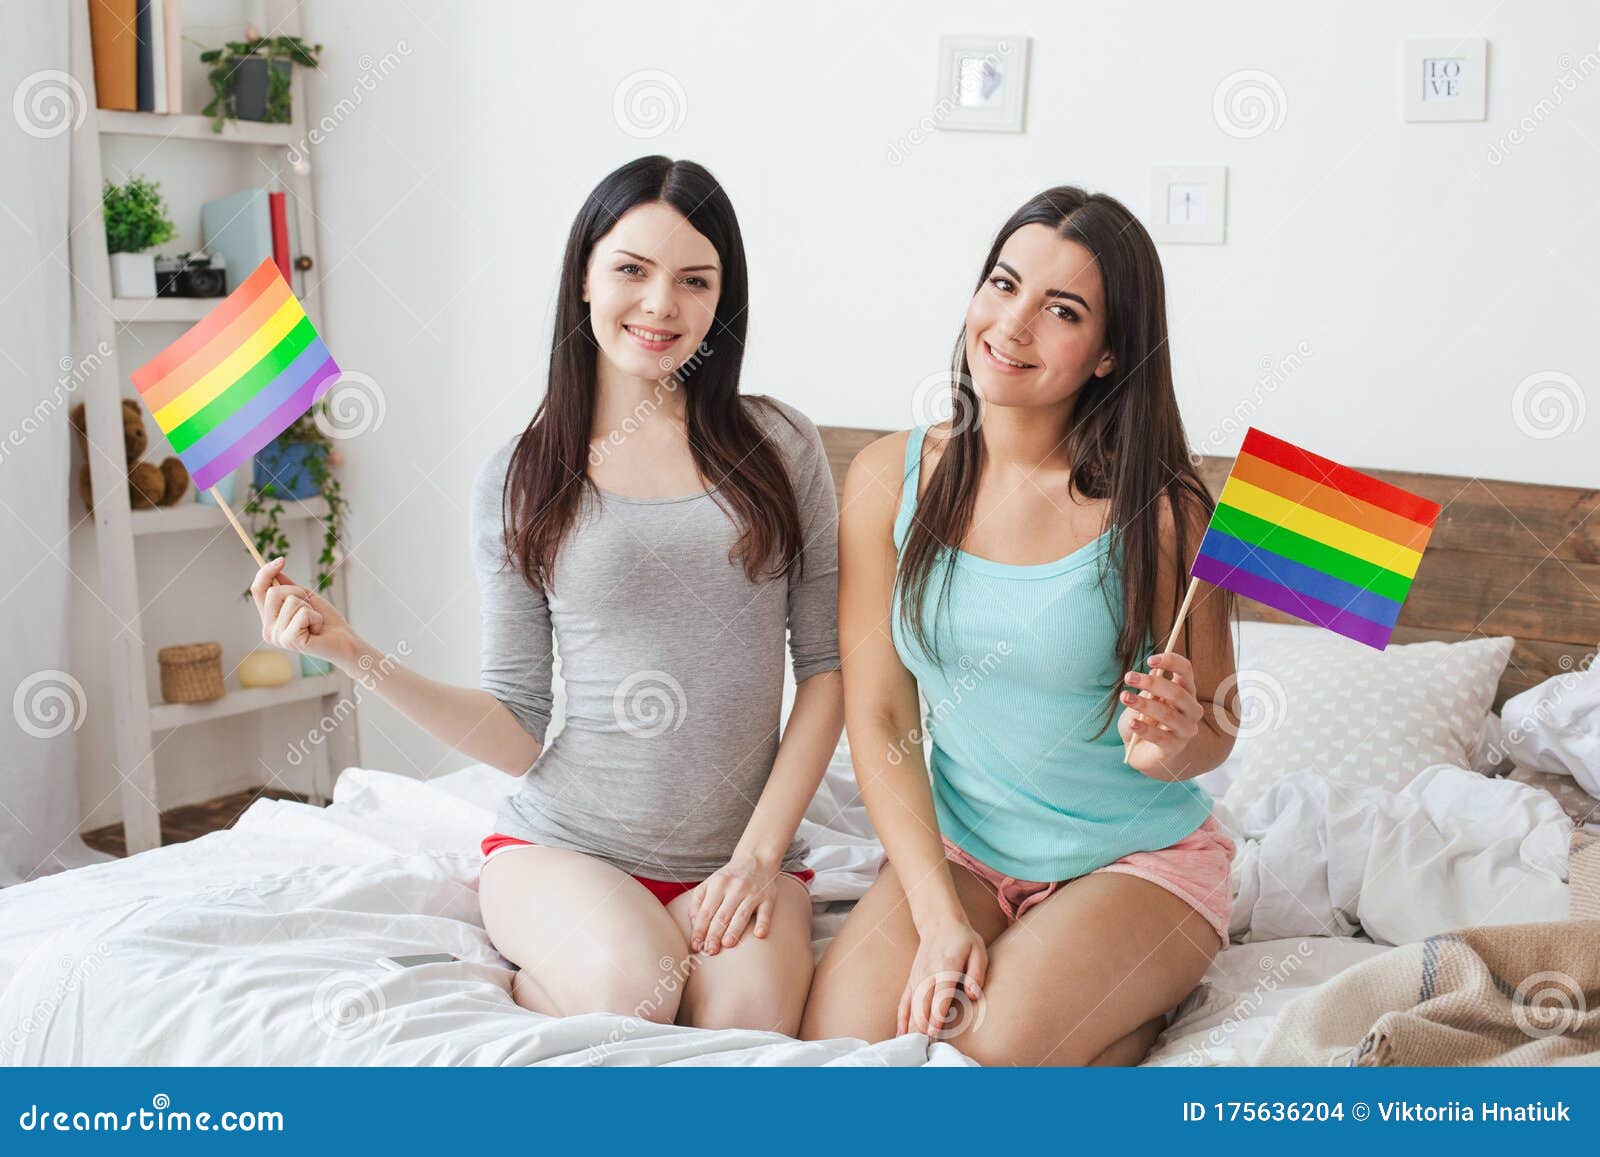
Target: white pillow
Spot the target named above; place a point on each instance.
(1249, 635)
(1555, 727)
(1315, 701)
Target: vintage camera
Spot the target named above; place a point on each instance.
(196, 274)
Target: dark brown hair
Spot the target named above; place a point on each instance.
(1125, 443)
(548, 474)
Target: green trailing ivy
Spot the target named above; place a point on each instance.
(266, 503)
(225, 62)
(136, 216)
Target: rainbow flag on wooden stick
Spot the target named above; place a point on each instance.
(1315, 539)
(238, 378)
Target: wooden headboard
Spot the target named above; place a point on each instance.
(1506, 558)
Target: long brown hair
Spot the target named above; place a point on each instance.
(1125, 442)
(548, 474)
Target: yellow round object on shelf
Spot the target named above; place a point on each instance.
(262, 668)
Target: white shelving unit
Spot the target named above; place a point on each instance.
(182, 309)
(119, 529)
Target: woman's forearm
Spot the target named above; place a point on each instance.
(807, 745)
(469, 719)
(894, 785)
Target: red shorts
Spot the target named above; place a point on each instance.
(664, 890)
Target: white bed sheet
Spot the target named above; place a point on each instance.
(258, 945)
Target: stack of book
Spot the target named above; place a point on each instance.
(137, 54)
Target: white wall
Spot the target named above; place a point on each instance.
(1420, 279)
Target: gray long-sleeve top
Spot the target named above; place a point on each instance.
(671, 660)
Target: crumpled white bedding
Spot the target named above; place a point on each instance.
(1453, 848)
(258, 945)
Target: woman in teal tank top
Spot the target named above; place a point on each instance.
(1045, 899)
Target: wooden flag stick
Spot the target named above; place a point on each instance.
(1172, 641)
(243, 537)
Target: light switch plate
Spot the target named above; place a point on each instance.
(1445, 78)
(1189, 204)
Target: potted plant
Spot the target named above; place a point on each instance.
(136, 222)
(250, 77)
(298, 464)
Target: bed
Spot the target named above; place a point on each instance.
(260, 944)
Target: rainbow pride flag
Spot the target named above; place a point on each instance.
(237, 378)
(1320, 541)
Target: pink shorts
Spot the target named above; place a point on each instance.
(1195, 869)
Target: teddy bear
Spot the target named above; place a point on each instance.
(148, 484)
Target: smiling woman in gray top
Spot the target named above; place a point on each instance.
(672, 661)
(661, 533)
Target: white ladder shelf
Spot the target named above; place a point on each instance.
(118, 528)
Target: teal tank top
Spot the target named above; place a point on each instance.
(1026, 660)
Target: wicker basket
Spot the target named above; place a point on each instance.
(191, 672)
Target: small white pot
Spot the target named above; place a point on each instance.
(133, 274)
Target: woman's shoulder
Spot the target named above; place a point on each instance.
(795, 435)
(490, 480)
(885, 458)
(875, 483)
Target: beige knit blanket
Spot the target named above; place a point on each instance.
(1516, 994)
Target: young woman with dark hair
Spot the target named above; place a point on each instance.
(1043, 902)
(665, 533)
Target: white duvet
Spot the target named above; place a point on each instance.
(1453, 848)
(259, 945)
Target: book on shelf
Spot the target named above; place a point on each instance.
(137, 48)
(158, 56)
(144, 63)
(114, 45)
(238, 228)
(172, 53)
(297, 280)
(276, 205)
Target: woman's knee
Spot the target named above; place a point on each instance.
(753, 1005)
(1005, 1041)
(1003, 1045)
(1133, 1048)
(649, 990)
(833, 1011)
(647, 987)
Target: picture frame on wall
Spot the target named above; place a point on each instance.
(983, 83)
(1189, 204)
(1445, 78)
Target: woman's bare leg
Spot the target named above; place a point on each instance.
(1133, 1048)
(586, 937)
(758, 983)
(856, 991)
(1085, 969)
